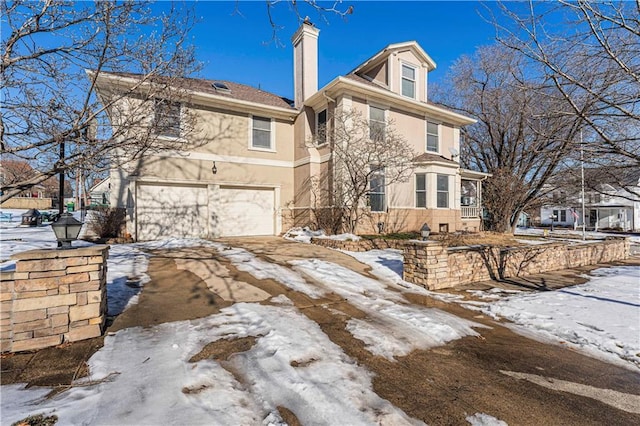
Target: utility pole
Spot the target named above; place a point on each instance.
(584, 232)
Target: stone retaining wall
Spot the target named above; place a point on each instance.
(54, 296)
(434, 266)
(360, 245)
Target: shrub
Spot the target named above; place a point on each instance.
(107, 222)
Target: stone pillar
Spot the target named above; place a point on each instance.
(426, 264)
(54, 296)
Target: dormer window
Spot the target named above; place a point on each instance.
(408, 81)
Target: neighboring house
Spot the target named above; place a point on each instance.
(607, 205)
(251, 177)
(41, 196)
(99, 193)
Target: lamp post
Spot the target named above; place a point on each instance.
(67, 228)
(425, 231)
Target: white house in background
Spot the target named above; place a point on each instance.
(99, 194)
(610, 207)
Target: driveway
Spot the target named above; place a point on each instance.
(485, 369)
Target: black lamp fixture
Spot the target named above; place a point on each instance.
(67, 229)
(425, 231)
(214, 169)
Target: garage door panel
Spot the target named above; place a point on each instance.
(171, 211)
(245, 211)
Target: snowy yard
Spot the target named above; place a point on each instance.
(149, 376)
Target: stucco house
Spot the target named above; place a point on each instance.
(249, 179)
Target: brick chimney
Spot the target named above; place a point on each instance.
(305, 62)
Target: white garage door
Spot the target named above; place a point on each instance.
(165, 211)
(243, 211)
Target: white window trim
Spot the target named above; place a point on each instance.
(448, 192)
(415, 191)
(415, 79)
(326, 136)
(426, 83)
(426, 135)
(272, 131)
(385, 108)
(383, 172)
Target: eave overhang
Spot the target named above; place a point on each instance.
(342, 85)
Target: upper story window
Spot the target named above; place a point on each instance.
(377, 123)
(421, 190)
(166, 118)
(408, 81)
(432, 137)
(376, 189)
(261, 134)
(321, 127)
(443, 191)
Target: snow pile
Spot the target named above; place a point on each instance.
(601, 317)
(295, 367)
(392, 328)
(482, 419)
(304, 235)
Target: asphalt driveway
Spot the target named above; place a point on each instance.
(516, 379)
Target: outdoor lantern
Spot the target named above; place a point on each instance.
(380, 227)
(425, 231)
(66, 229)
(214, 169)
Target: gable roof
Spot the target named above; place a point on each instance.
(407, 45)
(352, 83)
(237, 91)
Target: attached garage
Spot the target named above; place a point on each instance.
(245, 211)
(184, 211)
(165, 211)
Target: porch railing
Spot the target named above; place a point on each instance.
(470, 211)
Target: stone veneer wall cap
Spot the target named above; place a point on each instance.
(428, 242)
(56, 254)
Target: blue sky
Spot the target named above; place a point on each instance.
(239, 46)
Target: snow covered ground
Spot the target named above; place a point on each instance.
(126, 265)
(144, 375)
(600, 318)
(564, 232)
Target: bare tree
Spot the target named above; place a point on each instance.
(590, 52)
(524, 129)
(54, 54)
(49, 102)
(367, 157)
(321, 10)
